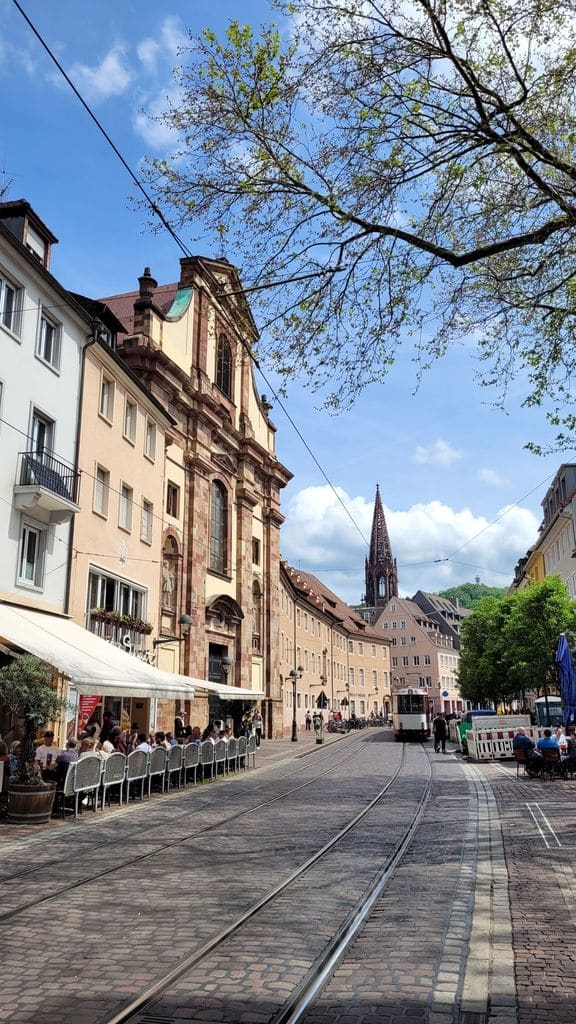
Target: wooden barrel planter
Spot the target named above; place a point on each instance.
(30, 805)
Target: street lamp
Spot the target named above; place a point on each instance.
(295, 675)
(185, 621)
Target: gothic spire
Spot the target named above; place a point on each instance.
(381, 571)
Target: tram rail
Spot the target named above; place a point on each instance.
(143, 1008)
(212, 826)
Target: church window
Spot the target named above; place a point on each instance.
(224, 366)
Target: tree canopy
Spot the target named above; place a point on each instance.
(469, 595)
(391, 174)
(509, 644)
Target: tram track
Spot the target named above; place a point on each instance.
(185, 982)
(210, 827)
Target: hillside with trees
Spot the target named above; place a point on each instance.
(469, 595)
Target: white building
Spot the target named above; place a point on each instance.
(42, 334)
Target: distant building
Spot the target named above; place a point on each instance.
(554, 551)
(329, 655)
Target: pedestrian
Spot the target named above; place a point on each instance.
(440, 733)
(257, 724)
(308, 721)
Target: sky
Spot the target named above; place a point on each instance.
(460, 491)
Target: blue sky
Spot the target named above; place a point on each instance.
(447, 461)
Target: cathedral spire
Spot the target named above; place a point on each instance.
(381, 571)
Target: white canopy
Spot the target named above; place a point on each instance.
(96, 666)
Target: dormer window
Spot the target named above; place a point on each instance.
(224, 366)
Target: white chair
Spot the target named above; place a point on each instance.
(207, 757)
(242, 752)
(232, 755)
(87, 780)
(136, 771)
(157, 767)
(251, 751)
(191, 761)
(113, 775)
(174, 765)
(220, 756)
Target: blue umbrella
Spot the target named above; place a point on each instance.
(567, 679)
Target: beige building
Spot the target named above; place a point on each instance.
(554, 551)
(329, 656)
(118, 534)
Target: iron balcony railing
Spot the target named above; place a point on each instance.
(42, 469)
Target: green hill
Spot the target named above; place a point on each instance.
(469, 594)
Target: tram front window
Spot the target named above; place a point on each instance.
(410, 704)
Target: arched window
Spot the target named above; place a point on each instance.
(218, 527)
(257, 616)
(224, 366)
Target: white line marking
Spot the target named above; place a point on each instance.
(536, 822)
(549, 825)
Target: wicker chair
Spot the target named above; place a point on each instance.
(87, 780)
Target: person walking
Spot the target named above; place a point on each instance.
(440, 733)
(308, 721)
(257, 725)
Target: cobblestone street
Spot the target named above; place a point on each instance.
(95, 910)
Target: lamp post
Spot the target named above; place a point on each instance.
(295, 675)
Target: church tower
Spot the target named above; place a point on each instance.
(381, 571)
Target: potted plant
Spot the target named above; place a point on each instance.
(26, 688)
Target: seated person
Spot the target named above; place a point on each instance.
(548, 742)
(47, 752)
(523, 742)
(561, 739)
(64, 759)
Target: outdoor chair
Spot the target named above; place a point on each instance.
(552, 767)
(251, 751)
(87, 781)
(157, 767)
(207, 757)
(232, 755)
(113, 775)
(174, 765)
(136, 771)
(191, 761)
(242, 752)
(220, 756)
(66, 791)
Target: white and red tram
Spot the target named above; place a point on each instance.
(411, 714)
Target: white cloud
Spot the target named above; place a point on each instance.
(319, 537)
(146, 124)
(109, 78)
(441, 453)
(170, 40)
(148, 51)
(490, 476)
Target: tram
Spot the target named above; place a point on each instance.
(411, 714)
(554, 710)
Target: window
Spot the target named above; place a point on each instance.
(412, 641)
(393, 606)
(402, 641)
(31, 562)
(146, 521)
(10, 305)
(114, 594)
(42, 433)
(385, 625)
(224, 366)
(255, 551)
(394, 625)
(130, 415)
(362, 709)
(48, 347)
(374, 678)
(218, 527)
(297, 616)
(402, 623)
(351, 676)
(360, 647)
(373, 646)
(172, 499)
(404, 661)
(107, 399)
(350, 647)
(416, 659)
(360, 677)
(427, 659)
(394, 662)
(101, 491)
(306, 622)
(257, 612)
(126, 501)
(150, 440)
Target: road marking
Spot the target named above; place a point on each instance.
(546, 823)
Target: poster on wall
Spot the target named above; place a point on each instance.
(86, 707)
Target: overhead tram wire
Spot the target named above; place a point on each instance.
(186, 251)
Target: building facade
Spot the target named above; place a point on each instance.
(330, 657)
(554, 551)
(190, 343)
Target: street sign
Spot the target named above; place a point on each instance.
(445, 693)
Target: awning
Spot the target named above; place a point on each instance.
(94, 665)
(98, 667)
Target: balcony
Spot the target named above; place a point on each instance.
(46, 483)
